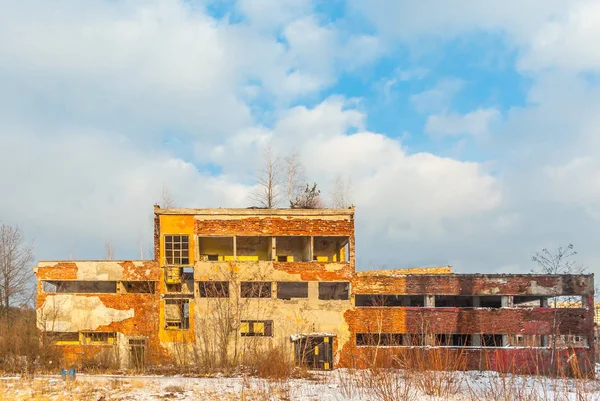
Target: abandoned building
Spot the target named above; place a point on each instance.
(226, 283)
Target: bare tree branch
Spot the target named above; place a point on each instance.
(294, 177)
(108, 251)
(342, 193)
(16, 273)
(166, 199)
(266, 192)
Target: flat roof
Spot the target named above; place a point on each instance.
(255, 212)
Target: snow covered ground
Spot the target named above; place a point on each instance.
(338, 385)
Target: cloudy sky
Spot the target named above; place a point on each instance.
(469, 130)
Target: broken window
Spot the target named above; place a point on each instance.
(293, 249)
(177, 314)
(365, 300)
(491, 340)
(331, 249)
(177, 250)
(253, 248)
(213, 289)
(215, 249)
(453, 301)
(63, 338)
(291, 289)
(379, 339)
(339, 290)
(137, 287)
(98, 338)
(255, 289)
(256, 328)
(490, 301)
(81, 287)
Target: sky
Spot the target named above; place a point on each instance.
(469, 131)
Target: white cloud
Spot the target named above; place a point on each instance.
(476, 123)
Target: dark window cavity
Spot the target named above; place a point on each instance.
(289, 290)
(255, 289)
(213, 289)
(375, 300)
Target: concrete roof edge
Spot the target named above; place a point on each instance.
(255, 212)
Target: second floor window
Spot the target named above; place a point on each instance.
(177, 249)
(256, 289)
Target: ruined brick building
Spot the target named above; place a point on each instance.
(226, 283)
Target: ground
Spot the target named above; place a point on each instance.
(338, 385)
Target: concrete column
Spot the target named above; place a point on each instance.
(430, 301)
(505, 340)
(507, 301)
(545, 341)
(544, 302)
(311, 248)
(273, 248)
(476, 301)
(234, 247)
(476, 340)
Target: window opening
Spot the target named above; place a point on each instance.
(291, 289)
(177, 249)
(334, 290)
(256, 328)
(255, 289)
(213, 289)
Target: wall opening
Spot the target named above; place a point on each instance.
(492, 340)
(80, 287)
(137, 287)
(528, 302)
(452, 340)
(177, 249)
(292, 289)
(331, 249)
(98, 338)
(255, 289)
(375, 300)
(177, 314)
(565, 301)
(63, 338)
(334, 290)
(453, 301)
(213, 289)
(490, 301)
(256, 328)
(137, 353)
(215, 249)
(293, 249)
(253, 248)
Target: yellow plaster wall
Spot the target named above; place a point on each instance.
(295, 316)
(177, 224)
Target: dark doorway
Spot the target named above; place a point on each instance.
(137, 353)
(314, 352)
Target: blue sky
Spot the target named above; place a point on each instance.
(467, 131)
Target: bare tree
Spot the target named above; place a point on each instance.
(294, 175)
(266, 192)
(342, 193)
(558, 262)
(140, 238)
(16, 273)
(166, 199)
(108, 251)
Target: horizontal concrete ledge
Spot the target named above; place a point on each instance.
(256, 212)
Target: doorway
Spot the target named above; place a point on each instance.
(314, 352)
(137, 353)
